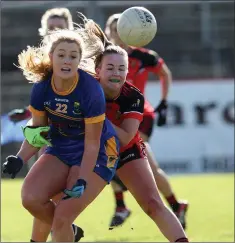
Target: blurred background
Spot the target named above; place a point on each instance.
(196, 40)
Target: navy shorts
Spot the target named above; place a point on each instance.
(70, 152)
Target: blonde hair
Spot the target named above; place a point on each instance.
(62, 13)
(35, 62)
(113, 18)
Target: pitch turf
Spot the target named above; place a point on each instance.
(210, 214)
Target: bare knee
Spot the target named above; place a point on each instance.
(29, 201)
(153, 206)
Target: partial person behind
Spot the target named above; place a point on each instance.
(52, 19)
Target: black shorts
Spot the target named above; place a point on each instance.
(136, 151)
(146, 126)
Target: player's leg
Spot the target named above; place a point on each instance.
(137, 176)
(121, 211)
(179, 207)
(41, 230)
(68, 210)
(45, 179)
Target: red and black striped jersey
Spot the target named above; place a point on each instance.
(129, 104)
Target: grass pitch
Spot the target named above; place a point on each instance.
(210, 215)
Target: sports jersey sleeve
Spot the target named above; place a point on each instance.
(135, 108)
(93, 104)
(36, 100)
(151, 61)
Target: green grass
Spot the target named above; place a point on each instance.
(210, 215)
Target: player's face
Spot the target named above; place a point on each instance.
(114, 37)
(65, 59)
(112, 73)
(56, 23)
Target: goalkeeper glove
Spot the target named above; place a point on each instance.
(12, 165)
(76, 191)
(161, 109)
(35, 137)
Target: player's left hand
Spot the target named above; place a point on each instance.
(37, 136)
(76, 191)
(161, 109)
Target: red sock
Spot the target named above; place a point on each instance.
(120, 204)
(173, 202)
(183, 239)
(171, 199)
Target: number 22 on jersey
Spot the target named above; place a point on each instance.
(62, 108)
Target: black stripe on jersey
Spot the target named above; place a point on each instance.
(130, 99)
(148, 58)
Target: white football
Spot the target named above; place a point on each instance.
(137, 26)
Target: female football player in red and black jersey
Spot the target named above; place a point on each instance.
(141, 62)
(125, 105)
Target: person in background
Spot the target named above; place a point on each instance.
(54, 18)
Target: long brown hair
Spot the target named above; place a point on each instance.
(107, 47)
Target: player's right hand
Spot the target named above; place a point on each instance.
(12, 165)
(18, 115)
(76, 191)
(35, 136)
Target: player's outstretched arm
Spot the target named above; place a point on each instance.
(165, 76)
(14, 164)
(27, 150)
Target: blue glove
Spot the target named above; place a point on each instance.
(76, 191)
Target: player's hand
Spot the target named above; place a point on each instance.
(161, 109)
(18, 115)
(12, 165)
(36, 136)
(76, 191)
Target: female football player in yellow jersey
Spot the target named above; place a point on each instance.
(84, 152)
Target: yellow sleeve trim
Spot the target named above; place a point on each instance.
(37, 112)
(95, 119)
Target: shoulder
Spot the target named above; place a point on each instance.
(140, 53)
(90, 88)
(41, 85)
(130, 92)
(87, 80)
